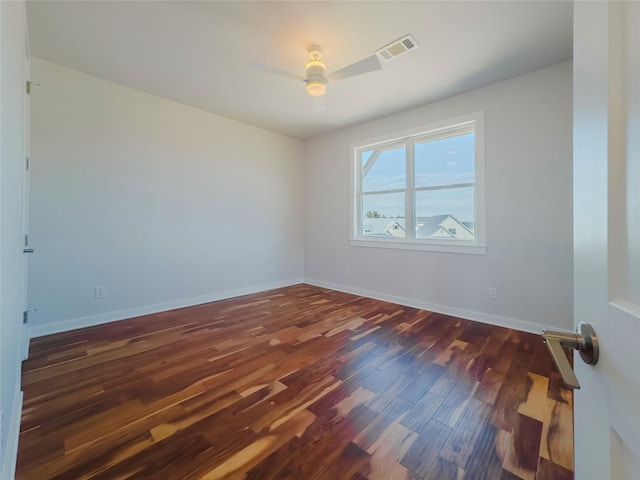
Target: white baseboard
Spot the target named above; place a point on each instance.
(75, 323)
(10, 447)
(444, 309)
(90, 321)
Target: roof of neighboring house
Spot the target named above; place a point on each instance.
(431, 225)
(381, 226)
(428, 226)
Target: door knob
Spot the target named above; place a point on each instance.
(584, 340)
(28, 250)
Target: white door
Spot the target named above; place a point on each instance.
(607, 236)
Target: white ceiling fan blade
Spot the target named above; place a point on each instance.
(276, 71)
(369, 64)
(318, 104)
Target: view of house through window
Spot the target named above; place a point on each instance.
(422, 188)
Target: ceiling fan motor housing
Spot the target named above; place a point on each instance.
(315, 73)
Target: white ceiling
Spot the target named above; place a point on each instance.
(200, 53)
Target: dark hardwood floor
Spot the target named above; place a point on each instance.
(296, 383)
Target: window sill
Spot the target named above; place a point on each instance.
(460, 248)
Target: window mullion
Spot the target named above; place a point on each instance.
(377, 192)
(359, 211)
(409, 194)
(446, 187)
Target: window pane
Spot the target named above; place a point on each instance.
(383, 215)
(445, 214)
(448, 161)
(384, 169)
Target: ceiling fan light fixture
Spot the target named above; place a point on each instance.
(316, 82)
(316, 88)
(316, 64)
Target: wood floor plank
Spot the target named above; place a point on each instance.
(276, 465)
(425, 449)
(521, 447)
(455, 403)
(422, 383)
(443, 386)
(489, 386)
(301, 383)
(551, 471)
(344, 465)
(460, 445)
(251, 455)
(331, 445)
(422, 412)
(556, 437)
(375, 433)
(486, 460)
(444, 470)
(383, 398)
(384, 463)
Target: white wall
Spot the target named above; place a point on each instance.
(12, 153)
(162, 204)
(528, 157)
(165, 205)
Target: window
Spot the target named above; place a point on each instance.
(422, 189)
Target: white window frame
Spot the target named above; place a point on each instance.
(431, 131)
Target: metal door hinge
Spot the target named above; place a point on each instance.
(27, 163)
(29, 83)
(25, 315)
(26, 240)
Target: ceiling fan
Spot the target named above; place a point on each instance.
(316, 77)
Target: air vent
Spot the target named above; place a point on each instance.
(397, 48)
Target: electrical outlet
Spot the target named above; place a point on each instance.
(101, 292)
(493, 294)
